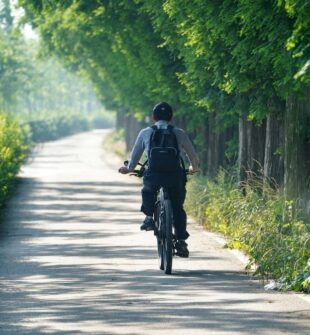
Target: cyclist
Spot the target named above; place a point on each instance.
(175, 181)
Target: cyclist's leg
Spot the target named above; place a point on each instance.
(177, 194)
(149, 192)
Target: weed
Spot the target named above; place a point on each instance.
(254, 222)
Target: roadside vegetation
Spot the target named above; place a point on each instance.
(40, 100)
(261, 224)
(18, 137)
(12, 154)
(115, 142)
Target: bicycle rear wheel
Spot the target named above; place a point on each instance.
(167, 237)
(158, 233)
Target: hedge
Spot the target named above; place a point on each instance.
(12, 153)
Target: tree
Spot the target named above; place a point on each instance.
(229, 66)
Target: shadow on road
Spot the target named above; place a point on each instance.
(75, 263)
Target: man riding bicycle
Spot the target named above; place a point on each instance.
(162, 171)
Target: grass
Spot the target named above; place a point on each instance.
(115, 142)
(253, 221)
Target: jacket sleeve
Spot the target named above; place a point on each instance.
(136, 152)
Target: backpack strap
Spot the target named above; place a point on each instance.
(155, 128)
(170, 128)
(176, 144)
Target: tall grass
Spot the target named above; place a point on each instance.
(253, 220)
(115, 142)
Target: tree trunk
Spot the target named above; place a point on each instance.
(132, 128)
(242, 153)
(255, 148)
(274, 163)
(213, 147)
(201, 134)
(120, 119)
(296, 153)
(230, 152)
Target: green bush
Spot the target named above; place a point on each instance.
(12, 153)
(253, 220)
(47, 128)
(56, 127)
(17, 137)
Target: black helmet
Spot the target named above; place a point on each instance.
(162, 111)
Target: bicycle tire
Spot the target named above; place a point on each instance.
(167, 245)
(158, 225)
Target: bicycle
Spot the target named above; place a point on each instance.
(164, 228)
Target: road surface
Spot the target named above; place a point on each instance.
(73, 261)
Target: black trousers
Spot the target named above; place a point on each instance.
(175, 183)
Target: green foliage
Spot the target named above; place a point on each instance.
(227, 58)
(253, 222)
(115, 47)
(12, 71)
(12, 154)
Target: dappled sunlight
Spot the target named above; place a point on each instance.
(75, 262)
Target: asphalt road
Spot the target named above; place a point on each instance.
(73, 261)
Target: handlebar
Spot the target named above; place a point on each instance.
(126, 164)
(140, 173)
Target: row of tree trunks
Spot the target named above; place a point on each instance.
(251, 149)
(261, 150)
(279, 150)
(276, 151)
(217, 144)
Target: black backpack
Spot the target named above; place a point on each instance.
(164, 154)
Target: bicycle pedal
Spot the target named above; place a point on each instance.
(185, 255)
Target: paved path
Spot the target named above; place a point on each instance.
(73, 261)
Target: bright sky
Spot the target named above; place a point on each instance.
(18, 13)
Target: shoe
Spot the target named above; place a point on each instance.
(181, 247)
(148, 224)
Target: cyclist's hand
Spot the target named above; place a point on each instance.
(123, 170)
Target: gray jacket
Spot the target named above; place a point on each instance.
(143, 142)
